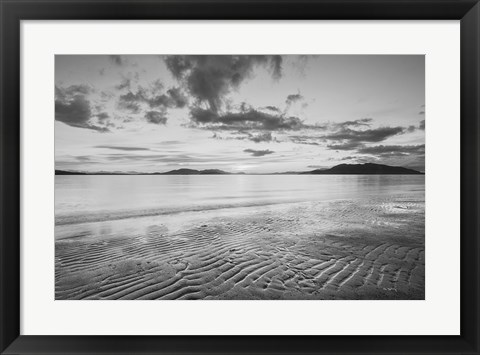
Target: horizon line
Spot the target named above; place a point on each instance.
(223, 172)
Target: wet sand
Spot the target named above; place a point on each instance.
(340, 249)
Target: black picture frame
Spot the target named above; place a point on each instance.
(14, 11)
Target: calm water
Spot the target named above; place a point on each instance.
(94, 198)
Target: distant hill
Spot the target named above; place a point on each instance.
(172, 172)
(364, 169)
(194, 172)
(64, 172)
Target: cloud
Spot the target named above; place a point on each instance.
(151, 158)
(412, 156)
(362, 122)
(250, 119)
(421, 113)
(121, 148)
(83, 158)
(368, 135)
(174, 98)
(205, 159)
(265, 137)
(116, 59)
(258, 153)
(133, 107)
(210, 78)
(74, 110)
(293, 98)
(125, 84)
(272, 108)
(103, 116)
(305, 139)
(179, 100)
(345, 146)
(393, 149)
(156, 117)
(132, 101)
(72, 90)
(170, 142)
(359, 159)
(347, 135)
(422, 125)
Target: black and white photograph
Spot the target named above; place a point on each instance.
(239, 177)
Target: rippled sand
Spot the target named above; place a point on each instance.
(344, 249)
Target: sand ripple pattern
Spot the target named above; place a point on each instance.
(337, 250)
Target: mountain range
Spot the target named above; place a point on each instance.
(342, 169)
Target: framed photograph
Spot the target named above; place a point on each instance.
(240, 177)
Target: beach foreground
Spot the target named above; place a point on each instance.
(341, 249)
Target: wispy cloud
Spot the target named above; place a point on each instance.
(258, 153)
(121, 148)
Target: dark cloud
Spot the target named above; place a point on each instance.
(368, 135)
(209, 78)
(133, 107)
(72, 90)
(103, 116)
(422, 125)
(159, 101)
(179, 100)
(178, 65)
(249, 119)
(362, 122)
(173, 98)
(156, 117)
(293, 98)
(120, 148)
(139, 96)
(272, 108)
(258, 153)
(76, 112)
(116, 59)
(348, 135)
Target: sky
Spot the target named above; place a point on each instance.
(238, 113)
